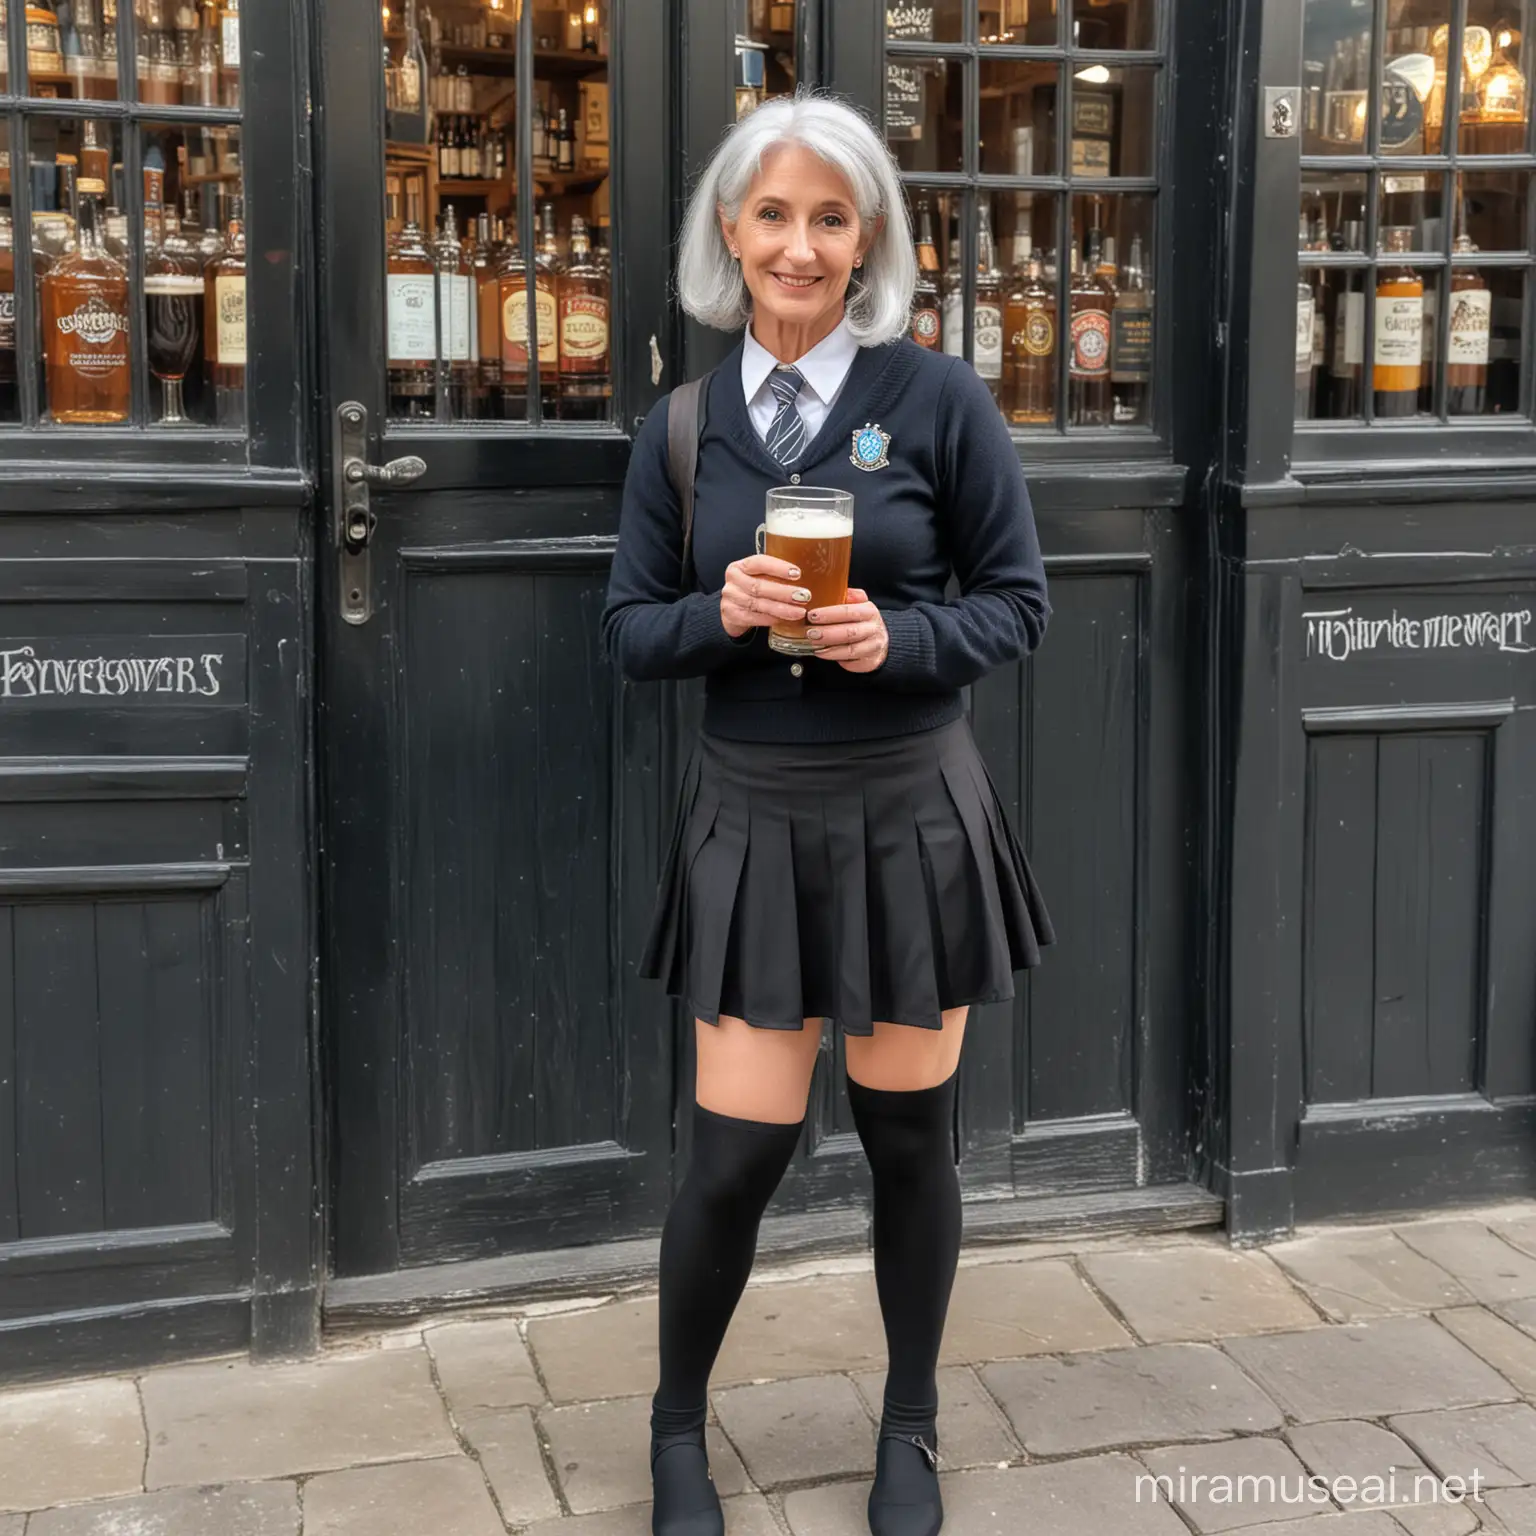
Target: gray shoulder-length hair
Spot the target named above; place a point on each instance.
(709, 282)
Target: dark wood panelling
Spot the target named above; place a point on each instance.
(10, 1190)
(122, 778)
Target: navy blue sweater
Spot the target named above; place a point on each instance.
(951, 497)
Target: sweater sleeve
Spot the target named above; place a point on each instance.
(650, 627)
(989, 530)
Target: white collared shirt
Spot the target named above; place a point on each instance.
(824, 368)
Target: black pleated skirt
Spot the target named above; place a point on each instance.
(857, 881)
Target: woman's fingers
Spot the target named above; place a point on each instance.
(840, 617)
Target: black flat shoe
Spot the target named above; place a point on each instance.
(904, 1500)
(683, 1497)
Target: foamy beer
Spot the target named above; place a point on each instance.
(812, 528)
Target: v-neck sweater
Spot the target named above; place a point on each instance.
(950, 499)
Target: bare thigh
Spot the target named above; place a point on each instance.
(905, 1058)
(755, 1074)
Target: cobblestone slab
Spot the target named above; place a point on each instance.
(1367, 1522)
(1485, 1264)
(1381, 1466)
(1002, 1312)
(1354, 1276)
(1198, 1293)
(76, 1442)
(607, 1352)
(508, 1448)
(1516, 1508)
(1518, 1230)
(231, 1421)
(1498, 1444)
(484, 1365)
(831, 1323)
(12, 1525)
(1440, 1519)
(972, 1432)
(1234, 1484)
(1509, 1350)
(794, 1431)
(405, 1499)
(1158, 1392)
(748, 1515)
(1368, 1370)
(241, 1509)
(601, 1454)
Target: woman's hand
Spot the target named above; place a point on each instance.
(757, 591)
(853, 634)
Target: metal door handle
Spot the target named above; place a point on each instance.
(396, 472)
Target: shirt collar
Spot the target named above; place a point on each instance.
(824, 367)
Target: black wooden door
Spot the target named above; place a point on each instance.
(490, 794)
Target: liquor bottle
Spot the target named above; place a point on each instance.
(186, 19)
(174, 297)
(987, 327)
(548, 267)
(412, 72)
(9, 399)
(952, 303)
(1306, 315)
(1088, 391)
(485, 277)
(410, 316)
(159, 66)
(1471, 334)
(585, 378)
(1130, 342)
(456, 315)
(925, 296)
(566, 144)
(1322, 297)
(224, 323)
(207, 89)
(469, 151)
(512, 304)
(1398, 364)
(1030, 323)
(1347, 358)
(229, 52)
(95, 157)
(85, 325)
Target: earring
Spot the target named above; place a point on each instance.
(735, 254)
(859, 261)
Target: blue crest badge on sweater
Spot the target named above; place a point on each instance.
(869, 447)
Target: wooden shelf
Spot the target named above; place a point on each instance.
(456, 186)
(503, 61)
(553, 186)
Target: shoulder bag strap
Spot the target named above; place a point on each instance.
(687, 412)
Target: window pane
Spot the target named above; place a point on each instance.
(72, 50)
(1397, 371)
(1110, 311)
(1016, 23)
(942, 21)
(924, 114)
(1114, 23)
(1338, 298)
(1412, 80)
(1494, 103)
(1336, 68)
(1031, 328)
(929, 216)
(1018, 118)
(194, 276)
(1113, 121)
(765, 51)
(1484, 355)
(1333, 205)
(1492, 211)
(1412, 202)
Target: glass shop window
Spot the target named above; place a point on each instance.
(1414, 233)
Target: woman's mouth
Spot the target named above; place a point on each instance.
(798, 283)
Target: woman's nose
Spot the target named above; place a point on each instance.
(799, 247)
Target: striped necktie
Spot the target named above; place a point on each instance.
(786, 436)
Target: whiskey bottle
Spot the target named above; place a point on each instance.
(1306, 315)
(1030, 322)
(410, 316)
(512, 304)
(483, 267)
(224, 323)
(174, 298)
(85, 325)
(1130, 342)
(547, 297)
(925, 296)
(987, 327)
(585, 380)
(565, 144)
(9, 399)
(1399, 358)
(1088, 386)
(456, 315)
(1466, 356)
(952, 303)
(229, 52)
(1347, 360)
(159, 65)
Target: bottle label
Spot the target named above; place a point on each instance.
(514, 325)
(229, 303)
(1319, 336)
(1090, 344)
(1306, 315)
(101, 336)
(1130, 344)
(455, 320)
(1471, 327)
(411, 322)
(173, 283)
(583, 332)
(1038, 338)
(229, 34)
(987, 341)
(925, 328)
(954, 310)
(1349, 333)
(1400, 331)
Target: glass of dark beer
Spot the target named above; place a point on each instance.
(811, 527)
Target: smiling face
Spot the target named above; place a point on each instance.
(798, 235)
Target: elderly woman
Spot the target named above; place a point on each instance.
(839, 851)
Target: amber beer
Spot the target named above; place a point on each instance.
(812, 528)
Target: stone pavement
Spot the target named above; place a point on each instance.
(1360, 1381)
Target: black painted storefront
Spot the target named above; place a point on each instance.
(317, 993)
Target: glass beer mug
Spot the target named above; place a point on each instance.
(812, 528)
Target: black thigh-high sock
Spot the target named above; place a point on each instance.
(907, 1137)
(707, 1248)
